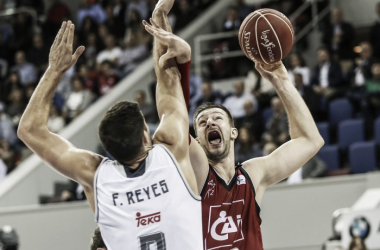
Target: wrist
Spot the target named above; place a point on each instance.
(54, 72)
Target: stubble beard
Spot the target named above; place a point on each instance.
(216, 157)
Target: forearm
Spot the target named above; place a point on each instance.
(301, 123)
(36, 113)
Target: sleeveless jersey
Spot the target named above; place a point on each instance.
(230, 214)
(151, 208)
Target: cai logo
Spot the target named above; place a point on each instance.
(360, 228)
(240, 180)
(225, 225)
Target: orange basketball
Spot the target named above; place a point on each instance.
(266, 35)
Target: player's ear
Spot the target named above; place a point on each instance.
(234, 133)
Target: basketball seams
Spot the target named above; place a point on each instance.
(257, 40)
(282, 19)
(242, 35)
(274, 32)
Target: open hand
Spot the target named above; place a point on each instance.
(275, 73)
(177, 47)
(60, 57)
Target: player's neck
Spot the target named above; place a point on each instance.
(136, 162)
(225, 167)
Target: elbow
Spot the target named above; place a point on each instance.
(318, 142)
(23, 131)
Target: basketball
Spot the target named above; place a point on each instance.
(266, 35)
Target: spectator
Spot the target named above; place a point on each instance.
(314, 168)
(327, 77)
(361, 71)
(111, 52)
(252, 120)
(246, 148)
(311, 99)
(209, 95)
(91, 51)
(92, 9)
(373, 89)
(7, 155)
(375, 34)
(184, 15)
(79, 99)
(261, 88)
(297, 65)
(232, 21)
(6, 87)
(359, 74)
(7, 131)
(132, 55)
(38, 5)
(89, 78)
(22, 32)
(75, 192)
(235, 102)
(26, 70)
(134, 20)
(38, 54)
(106, 78)
(89, 27)
(55, 121)
(17, 106)
(55, 15)
(119, 9)
(243, 9)
(339, 36)
(277, 126)
(140, 7)
(148, 110)
(5, 55)
(64, 86)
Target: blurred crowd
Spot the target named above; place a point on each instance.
(345, 66)
(115, 42)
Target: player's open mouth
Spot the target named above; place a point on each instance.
(214, 137)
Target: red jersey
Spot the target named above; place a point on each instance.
(230, 215)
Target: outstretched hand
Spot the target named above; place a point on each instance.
(164, 5)
(275, 73)
(177, 47)
(60, 57)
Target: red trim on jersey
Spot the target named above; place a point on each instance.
(184, 70)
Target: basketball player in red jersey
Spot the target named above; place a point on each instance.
(231, 195)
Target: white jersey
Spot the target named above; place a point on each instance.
(150, 208)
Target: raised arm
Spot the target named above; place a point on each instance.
(76, 164)
(305, 138)
(182, 56)
(174, 125)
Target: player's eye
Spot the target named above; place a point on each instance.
(202, 122)
(219, 117)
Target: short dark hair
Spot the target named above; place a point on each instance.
(210, 105)
(97, 240)
(121, 131)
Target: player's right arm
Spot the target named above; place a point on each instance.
(180, 55)
(76, 164)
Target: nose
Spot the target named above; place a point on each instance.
(210, 123)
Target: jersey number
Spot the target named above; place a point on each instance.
(149, 241)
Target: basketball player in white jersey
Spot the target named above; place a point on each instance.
(147, 198)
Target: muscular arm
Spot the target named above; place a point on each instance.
(76, 164)
(198, 158)
(173, 129)
(305, 138)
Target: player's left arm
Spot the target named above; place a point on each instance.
(305, 138)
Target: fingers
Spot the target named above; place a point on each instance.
(154, 23)
(77, 53)
(59, 35)
(165, 57)
(66, 33)
(70, 38)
